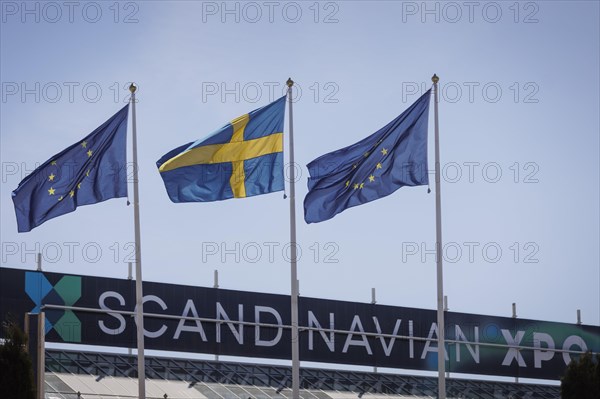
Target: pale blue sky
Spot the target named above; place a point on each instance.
(356, 74)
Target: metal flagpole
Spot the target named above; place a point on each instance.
(138, 257)
(41, 354)
(438, 246)
(293, 261)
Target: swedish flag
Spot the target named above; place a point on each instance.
(242, 159)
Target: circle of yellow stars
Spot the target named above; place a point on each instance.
(372, 178)
(53, 178)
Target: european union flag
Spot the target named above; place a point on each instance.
(90, 171)
(393, 157)
(242, 159)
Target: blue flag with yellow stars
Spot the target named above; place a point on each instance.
(90, 171)
(242, 159)
(395, 156)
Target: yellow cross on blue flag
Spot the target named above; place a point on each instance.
(91, 170)
(242, 159)
(395, 156)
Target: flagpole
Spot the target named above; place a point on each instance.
(138, 257)
(439, 258)
(293, 261)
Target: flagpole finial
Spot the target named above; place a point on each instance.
(290, 82)
(435, 78)
(132, 88)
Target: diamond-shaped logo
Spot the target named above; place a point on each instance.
(65, 292)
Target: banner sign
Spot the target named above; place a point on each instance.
(330, 331)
